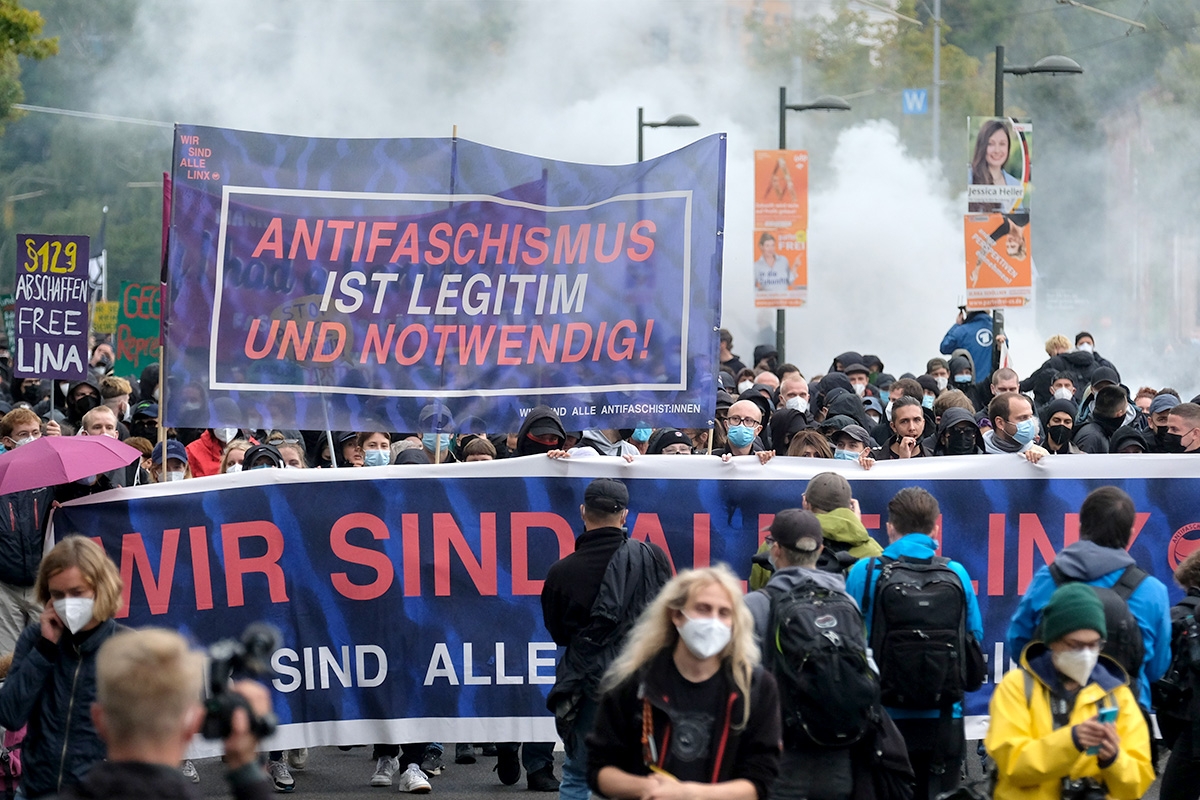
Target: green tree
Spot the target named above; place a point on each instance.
(20, 30)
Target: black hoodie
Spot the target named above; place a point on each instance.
(541, 416)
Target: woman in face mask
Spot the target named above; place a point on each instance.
(686, 702)
(376, 448)
(235, 453)
(52, 684)
(1065, 724)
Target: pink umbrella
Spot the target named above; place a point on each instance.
(52, 460)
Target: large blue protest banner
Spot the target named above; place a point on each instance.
(349, 283)
(408, 596)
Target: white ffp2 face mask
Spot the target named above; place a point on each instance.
(798, 404)
(75, 612)
(705, 636)
(1076, 664)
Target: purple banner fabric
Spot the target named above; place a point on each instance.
(51, 307)
(349, 284)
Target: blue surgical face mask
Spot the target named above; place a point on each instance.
(927, 402)
(845, 455)
(641, 434)
(1026, 430)
(430, 440)
(964, 378)
(376, 458)
(740, 435)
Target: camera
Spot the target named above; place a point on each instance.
(1083, 789)
(248, 657)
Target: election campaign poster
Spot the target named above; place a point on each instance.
(137, 329)
(350, 284)
(408, 597)
(780, 228)
(51, 307)
(999, 266)
(998, 173)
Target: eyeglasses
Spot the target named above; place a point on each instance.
(747, 421)
(769, 540)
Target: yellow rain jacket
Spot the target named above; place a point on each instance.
(1032, 757)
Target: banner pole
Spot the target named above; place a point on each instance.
(332, 455)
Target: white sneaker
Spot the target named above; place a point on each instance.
(385, 768)
(189, 772)
(413, 780)
(298, 759)
(280, 776)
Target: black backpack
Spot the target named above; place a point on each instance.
(1174, 692)
(1124, 640)
(918, 633)
(816, 647)
(835, 557)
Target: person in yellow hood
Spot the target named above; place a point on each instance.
(1046, 735)
(828, 496)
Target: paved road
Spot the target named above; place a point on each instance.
(334, 773)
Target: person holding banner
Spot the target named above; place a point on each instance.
(687, 710)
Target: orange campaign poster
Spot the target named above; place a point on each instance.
(999, 266)
(780, 228)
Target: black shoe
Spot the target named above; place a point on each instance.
(543, 780)
(508, 766)
(464, 754)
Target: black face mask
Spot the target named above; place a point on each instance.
(1110, 424)
(1059, 434)
(960, 442)
(1173, 442)
(32, 394)
(85, 404)
(145, 428)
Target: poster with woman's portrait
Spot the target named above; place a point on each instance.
(780, 252)
(998, 173)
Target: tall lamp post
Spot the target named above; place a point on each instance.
(1050, 65)
(675, 121)
(826, 102)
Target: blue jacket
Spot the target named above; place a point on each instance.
(1102, 566)
(51, 688)
(974, 335)
(915, 545)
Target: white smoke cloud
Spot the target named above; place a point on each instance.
(564, 81)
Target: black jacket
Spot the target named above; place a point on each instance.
(22, 533)
(126, 780)
(51, 689)
(751, 753)
(590, 600)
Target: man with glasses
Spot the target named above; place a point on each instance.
(1100, 559)
(22, 532)
(741, 425)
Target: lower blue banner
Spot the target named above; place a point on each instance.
(408, 597)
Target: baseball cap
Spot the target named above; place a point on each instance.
(859, 434)
(1163, 402)
(827, 491)
(1102, 374)
(856, 368)
(606, 495)
(175, 449)
(792, 526)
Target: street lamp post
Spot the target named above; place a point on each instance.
(1050, 65)
(675, 121)
(823, 103)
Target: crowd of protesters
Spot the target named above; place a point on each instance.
(1074, 403)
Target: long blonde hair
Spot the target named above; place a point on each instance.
(655, 632)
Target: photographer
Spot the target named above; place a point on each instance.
(148, 689)
(1065, 724)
